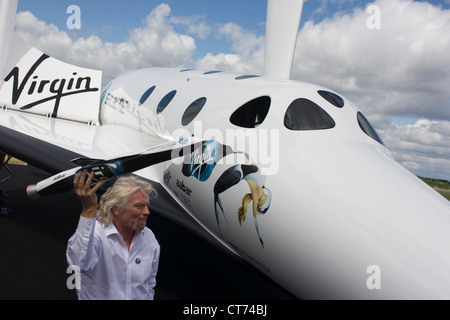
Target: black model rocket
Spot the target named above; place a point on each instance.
(111, 169)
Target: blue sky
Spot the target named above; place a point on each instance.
(111, 19)
(398, 74)
(122, 15)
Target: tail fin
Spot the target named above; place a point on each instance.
(283, 22)
(36, 83)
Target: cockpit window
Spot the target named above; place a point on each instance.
(251, 114)
(332, 98)
(165, 101)
(365, 126)
(146, 95)
(304, 114)
(192, 111)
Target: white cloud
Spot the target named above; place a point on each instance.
(422, 147)
(401, 69)
(248, 56)
(222, 61)
(153, 44)
(195, 25)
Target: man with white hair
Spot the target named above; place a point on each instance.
(116, 253)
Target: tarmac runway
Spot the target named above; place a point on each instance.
(33, 239)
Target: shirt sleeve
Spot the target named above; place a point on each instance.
(155, 264)
(81, 246)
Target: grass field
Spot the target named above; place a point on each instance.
(441, 186)
(444, 193)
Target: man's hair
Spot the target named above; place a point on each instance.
(118, 196)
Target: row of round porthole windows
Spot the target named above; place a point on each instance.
(189, 114)
(302, 114)
(193, 109)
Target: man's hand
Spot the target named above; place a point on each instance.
(86, 194)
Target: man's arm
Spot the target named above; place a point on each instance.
(80, 249)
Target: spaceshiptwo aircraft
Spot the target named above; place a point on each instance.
(288, 176)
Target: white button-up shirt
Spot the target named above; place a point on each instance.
(108, 269)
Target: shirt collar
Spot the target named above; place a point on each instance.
(111, 229)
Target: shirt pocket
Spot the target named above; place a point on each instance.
(142, 268)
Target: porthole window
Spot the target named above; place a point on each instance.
(332, 98)
(365, 126)
(303, 114)
(192, 111)
(212, 72)
(146, 95)
(246, 77)
(251, 114)
(165, 101)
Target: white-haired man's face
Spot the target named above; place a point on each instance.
(134, 216)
